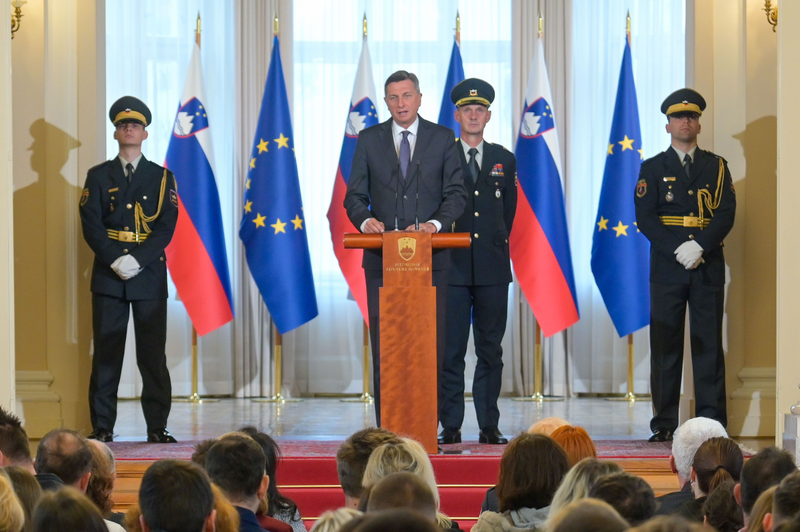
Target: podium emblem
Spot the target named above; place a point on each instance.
(407, 247)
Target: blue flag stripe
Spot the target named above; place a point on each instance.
(455, 75)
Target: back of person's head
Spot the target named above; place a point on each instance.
(175, 496)
(334, 520)
(531, 469)
(669, 523)
(353, 455)
(587, 514)
(580, 479)
(402, 490)
(14, 440)
(792, 525)
(227, 519)
(547, 425)
(689, 437)
(12, 514)
(408, 456)
(273, 501)
(761, 508)
(400, 520)
(630, 495)
(104, 473)
(200, 451)
(721, 510)
(237, 465)
(27, 489)
(717, 460)
(67, 509)
(576, 443)
(763, 470)
(786, 501)
(65, 454)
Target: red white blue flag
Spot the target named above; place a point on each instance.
(196, 257)
(539, 240)
(362, 114)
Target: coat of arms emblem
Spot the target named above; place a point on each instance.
(407, 247)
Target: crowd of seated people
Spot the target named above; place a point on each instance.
(550, 480)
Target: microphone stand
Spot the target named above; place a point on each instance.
(396, 194)
(416, 203)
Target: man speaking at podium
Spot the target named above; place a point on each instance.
(394, 162)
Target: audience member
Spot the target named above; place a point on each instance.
(402, 490)
(200, 450)
(12, 514)
(390, 521)
(785, 502)
(721, 511)
(67, 509)
(587, 514)
(227, 518)
(576, 443)
(101, 482)
(352, 457)
(27, 489)
(628, 494)
(669, 523)
(579, 480)
(334, 520)
(686, 440)
(761, 508)
(792, 525)
(176, 496)
(14, 446)
(763, 470)
(531, 469)
(63, 458)
(716, 460)
(547, 425)
(238, 466)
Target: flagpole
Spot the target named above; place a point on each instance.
(458, 28)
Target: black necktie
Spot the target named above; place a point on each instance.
(473, 164)
(687, 165)
(130, 171)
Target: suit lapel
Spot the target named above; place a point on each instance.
(141, 174)
(387, 144)
(673, 165)
(118, 176)
(424, 134)
(701, 159)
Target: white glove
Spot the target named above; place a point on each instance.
(126, 267)
(689, 253)
(697, 263)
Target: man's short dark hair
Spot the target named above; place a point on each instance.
(65, 454)
(763, 470)
(200, 450)
(175, 496)
(628, 494)
(353, 455)
(402, 490)
(401, 75)
(400, 520)
(786, 502)
(237, 465)
(13, 439)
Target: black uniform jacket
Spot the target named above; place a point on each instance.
(374, 190)
(662, 178)
(488, 217)
(109, 202)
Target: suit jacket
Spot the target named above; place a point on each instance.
(248, 522)
(109, 202)
(372, 191)
(671, 503)
(665, 190)
(488, 217)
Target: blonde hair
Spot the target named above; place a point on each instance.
(579, 480)
(547, 425)
(762, 507)
(13, 516)
(333, 520)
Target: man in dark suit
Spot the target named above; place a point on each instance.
(479, 276)
(129, 208)
(685, 206)
(392, 161)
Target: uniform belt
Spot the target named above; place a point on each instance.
(685, 221)
(126, 236)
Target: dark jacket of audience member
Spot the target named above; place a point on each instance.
(716, 460)
(763, 470)
(352, 457)
(27, 489)
(721, 510)
(67, 509)
(65, 454)
(176, 495)
(402, 490)
(628, 494)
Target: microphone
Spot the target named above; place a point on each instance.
(396, 194)
(416, 203)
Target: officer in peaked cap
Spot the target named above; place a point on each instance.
(479, 276)
(685, 205)
(129, 208)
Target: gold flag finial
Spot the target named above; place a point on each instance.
(541, 25)
(458, 28)
(275, 27)
(197, 32)
(365, 25)
(628, 26)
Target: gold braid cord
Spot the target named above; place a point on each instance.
(142, 221)
(704, 198)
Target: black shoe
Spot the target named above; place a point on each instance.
(492, 436)
(160, 436)
(448, 436)
(103, 435)
(661, 435)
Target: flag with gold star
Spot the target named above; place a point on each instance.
(273, 228)
(620, 253)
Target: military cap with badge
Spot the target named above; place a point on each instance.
(130, 109)
(472, 91)
(682, 103)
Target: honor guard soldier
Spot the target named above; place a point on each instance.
(685, 206)
(479, 276)
(129, 208)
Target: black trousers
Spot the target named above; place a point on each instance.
(110, 325)
(374, 280)
(487, 306)
(667, 319)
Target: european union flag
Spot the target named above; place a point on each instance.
(455, 75)
(620, 253)
(273, 225)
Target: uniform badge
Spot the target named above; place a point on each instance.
(84, 196)
(497, 193)
(641, 188)
(111, 208)
(669, 196)
(173, 197)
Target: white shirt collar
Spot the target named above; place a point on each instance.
(134, 162)
(682, 154)
(467, 147)
(397, 129)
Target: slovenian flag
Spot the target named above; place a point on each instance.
(362, 114)
(455, 75)
(539, 241)
(196, 256)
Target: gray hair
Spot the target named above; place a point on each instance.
(689, 437)
(401, 75)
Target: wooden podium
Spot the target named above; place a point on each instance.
(408, 329)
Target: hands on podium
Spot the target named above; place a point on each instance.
(426, 227)
(373, 226)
